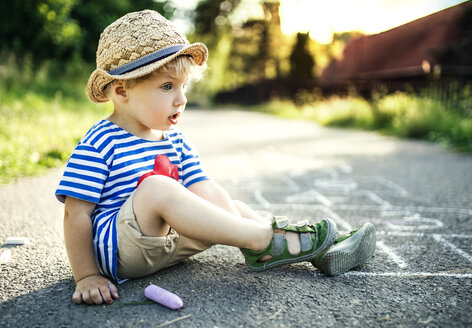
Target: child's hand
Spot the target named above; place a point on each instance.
(94, 290)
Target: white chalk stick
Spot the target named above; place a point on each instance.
(16, 241)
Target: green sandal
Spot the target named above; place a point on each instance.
(348, 251)
(313, 240)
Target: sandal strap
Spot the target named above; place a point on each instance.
(305, 241)
(302, 227)
(278, 244)
(310, 244)
(280, 222)
(301, 224)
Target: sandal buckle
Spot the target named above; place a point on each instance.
(302, 223)
(281, 221)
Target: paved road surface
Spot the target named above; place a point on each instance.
(418, 195)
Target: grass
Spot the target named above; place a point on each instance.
(41, 122)
(400, 114)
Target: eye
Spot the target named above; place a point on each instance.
(167, 86)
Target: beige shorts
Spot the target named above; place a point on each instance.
(140, 255)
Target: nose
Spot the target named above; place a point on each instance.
(180, 99)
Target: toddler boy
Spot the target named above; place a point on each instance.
(136, 197)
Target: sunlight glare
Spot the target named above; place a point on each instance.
(323, 18)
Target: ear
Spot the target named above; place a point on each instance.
(119, 91)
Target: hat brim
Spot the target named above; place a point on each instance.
(100, 78)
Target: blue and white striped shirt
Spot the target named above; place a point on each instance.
(104, 169)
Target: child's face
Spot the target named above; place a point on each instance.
(157, 103)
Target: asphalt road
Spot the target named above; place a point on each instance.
(417, 194)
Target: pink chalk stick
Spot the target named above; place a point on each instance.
(164, 297)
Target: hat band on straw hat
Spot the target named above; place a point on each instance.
(148, 59)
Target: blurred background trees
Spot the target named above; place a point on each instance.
(61, 29)
(51, 37)
(251, 60)
(245, 49)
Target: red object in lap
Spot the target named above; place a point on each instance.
(162, 166)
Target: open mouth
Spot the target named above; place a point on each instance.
(174, 118)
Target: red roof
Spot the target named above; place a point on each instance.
(401, 52)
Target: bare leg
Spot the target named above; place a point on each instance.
(248, 212)
(293, 242)
(160, 203)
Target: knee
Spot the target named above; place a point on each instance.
(155, 181)
(239, 205)
(157, 188)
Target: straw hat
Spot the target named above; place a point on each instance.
(135, 45)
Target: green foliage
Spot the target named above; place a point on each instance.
(338, 112)
(400, 114)
(47, 51)
(37, 133)
(47, 79)
(206, 13)
(42, 119)
(93, 16)
(41, 30)
(301, 61)
(243, 50)
(283, 108)
(408, 116)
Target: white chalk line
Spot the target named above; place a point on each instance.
(337, 218)
(410, 274)
(453, 247)
(332, 172)
(345, 168)
(374, 197)
(327, 206)
(402, 274)
(395, 258)
(322, 199)
(422, 234)
(330, 213)
(385, 207)
(291, 183)
(398, 209)
(439, 238)
(386, 182)
(407, 223)
(309, 196)
(352, 186)
(346, 186)
(264, 202)
(404, 209)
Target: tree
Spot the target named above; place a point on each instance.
(301, 61)
(62, 29)
(42, 28)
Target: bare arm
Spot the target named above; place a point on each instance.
(214, 193)
(92, 288)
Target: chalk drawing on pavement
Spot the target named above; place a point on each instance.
(401, 229)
